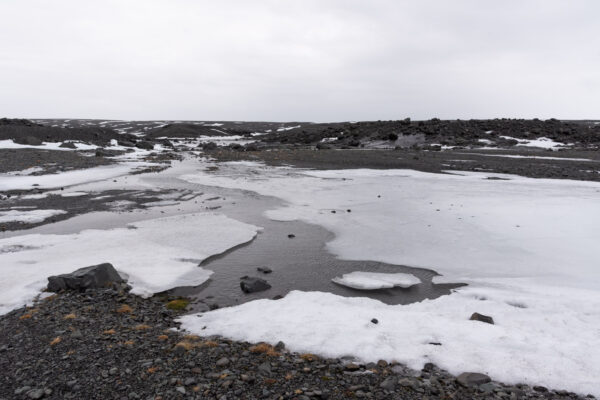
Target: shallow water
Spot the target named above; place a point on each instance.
(301, 263)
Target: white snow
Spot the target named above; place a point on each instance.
(27, 171)
(10, 144)
(524, 156)
(543, 142)
(287, 128)
(486, 141)
(64, 179)
(29, 217)
(156, 254)
(526, 247)
(376, 280)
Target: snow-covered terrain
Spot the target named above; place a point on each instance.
(12, 181)
(526, 247)
(156, 254)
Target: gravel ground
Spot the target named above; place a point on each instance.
(108, 344)
(51, 160)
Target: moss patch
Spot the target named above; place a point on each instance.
(178, 304)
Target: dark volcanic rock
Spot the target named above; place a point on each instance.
(22, 130)
(96, 276)
(28, 140)
(252, 285)
(68, 145)
(145, 145)
(209, 146)
(482, 318)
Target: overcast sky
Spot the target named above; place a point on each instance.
(304, 60)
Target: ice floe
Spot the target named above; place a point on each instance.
(376, 280)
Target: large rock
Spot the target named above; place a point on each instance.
(252, 285)
(472, 379)
(145, 145)
(96, 276)
(68, 145)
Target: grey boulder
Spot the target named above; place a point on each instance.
(472, 379)
(96, 276)
(252, 285)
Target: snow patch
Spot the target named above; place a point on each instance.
(156, 254)
(28, 217)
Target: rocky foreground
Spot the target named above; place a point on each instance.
(109, 344)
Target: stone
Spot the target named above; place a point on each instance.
(222, 362)
(472, 379)
(389, 383)
(28, 140)
(68, 145)
(482, 318)
(253, 285)
(145, 145)
(209, 146)
(36, 394)
(265, 367)
(264, 270)
(374, 321)
(95, 276)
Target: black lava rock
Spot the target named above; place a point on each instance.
(96, 276)
(482, 318)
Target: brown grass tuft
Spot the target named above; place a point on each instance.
(309, 357)
(192, 337)
(109, 332)
(186, 345)
(264, 348)
(129, 342)
(70, 316)
(55, 341)
(152, 370)
(163, 337)
(210, 343)
(124, 309)
(26, 316)
(142, 327)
